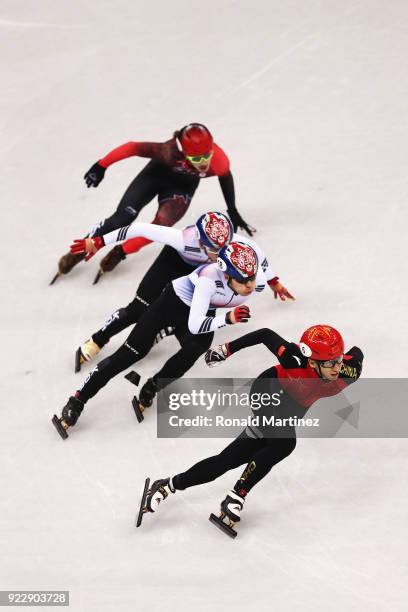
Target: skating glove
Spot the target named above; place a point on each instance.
(90, 246)
(290, 357)
(214, 356)
(279, 290)
(240, 314)
(94, 175)
(238, 222)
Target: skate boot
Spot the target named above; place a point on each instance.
(86, 352)
(163, 333)
(148, 393)
(66, 263)
(145, 399)
(70, 415)
(153, 496)
(110, 261)
(230, 514)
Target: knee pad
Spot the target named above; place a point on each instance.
(171, 210)
(115, 316)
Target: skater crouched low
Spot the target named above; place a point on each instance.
(315, 368)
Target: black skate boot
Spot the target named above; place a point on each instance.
(86, 352)
(66, 263)
(145, 400)
(153, 496)
(230, 514)
(110, 261)
(70, 415)
(148, 393)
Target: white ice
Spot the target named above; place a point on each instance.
(309, 99)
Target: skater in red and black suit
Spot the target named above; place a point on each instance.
(317, 367)
(173, 175)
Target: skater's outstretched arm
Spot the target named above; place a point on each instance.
(157, 233)
(153, 150)
(288, 353)
(160, 151)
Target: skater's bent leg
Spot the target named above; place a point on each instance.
(171, 209)
(106, 369)
(235, 454)
(192, 348)
(120, 320)
(141, 190)
(167, 266)
(136, 346)
(120, 218)
(262, 461)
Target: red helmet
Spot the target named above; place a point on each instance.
(195, 139)
(321, 342)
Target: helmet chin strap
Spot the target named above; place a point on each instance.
(318, 370)
(325, 380)
(228, 283)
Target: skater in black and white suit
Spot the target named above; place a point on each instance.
(185, 250)
(189, 305)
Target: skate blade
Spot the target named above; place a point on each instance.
(59, 427)
(97, 277)
(138, 408)
(218, 522)
(55, 278)
(79, 360)
(142, 509)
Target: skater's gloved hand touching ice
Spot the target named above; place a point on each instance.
(239, 223)
(279, 290)
(240, 314)
(94, 175)
(90, 246)
(215, 355)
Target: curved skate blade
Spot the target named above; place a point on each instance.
(218, 522)
(55, 278)
(98, 276)
(59, 427)
(138, 408)
(142, 508)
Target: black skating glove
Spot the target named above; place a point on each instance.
(291, 357)
(238, 222)
(94, 175)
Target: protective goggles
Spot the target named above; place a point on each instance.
(197, 159)
(330, 363)
(244, 281)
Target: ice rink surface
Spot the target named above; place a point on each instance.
(309, 100)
